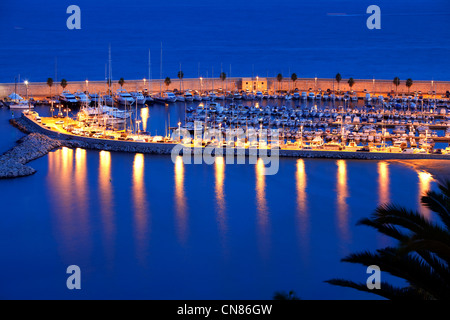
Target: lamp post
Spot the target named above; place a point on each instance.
(201, 85)
(179, 131)
(257, 84)
(26, 85)
(315, 84)
(144, 82)
(87, 85)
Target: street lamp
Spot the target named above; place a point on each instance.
(179, 131)
(26, 85)
(315, 84)
(87, 85)
(201, 84)
(144, 83)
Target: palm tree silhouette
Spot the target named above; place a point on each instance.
(351, 82)
(396, 82)
(409, 83)
(180, 76)
(279, 79)
(293, 78)
(422, 254)
(121, 82)
(50, 84)
(167, 82)
(63, 83)
(338, 79)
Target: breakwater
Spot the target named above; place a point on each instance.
(35, 145)
(271, 84)
(40, 141)
(27, 125)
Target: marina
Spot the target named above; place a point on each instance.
(407, 125)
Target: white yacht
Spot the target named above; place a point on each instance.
(18, 103)
(296, 95)
(138, 97)
(259, 95)
(116, 113)
(304, 95)
(188, 96)
(68, 98)
(166, 97)
(311, 96)
(123, 97)
(82, 98)
(108, 100)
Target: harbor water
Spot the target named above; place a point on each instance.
(141, 226)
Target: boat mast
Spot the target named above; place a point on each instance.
(149, 71)
(160, 74)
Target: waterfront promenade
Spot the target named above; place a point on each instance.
(384, 87)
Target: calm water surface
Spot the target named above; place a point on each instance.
(140, 226)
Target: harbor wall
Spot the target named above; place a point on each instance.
(26, 124)
(40, 90)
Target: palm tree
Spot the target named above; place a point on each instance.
(338, 79)
(223, 76)
(293, 78)
(121, 82)
(50, 84)
(351, 82)
(409, 83)
(180, 76)
(285, 296)
(396, 82)
(63, 83)
(279, 79)
(167, 82)
(421, 255)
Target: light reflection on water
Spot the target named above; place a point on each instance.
(76, 191)
(140, 206)
(262, 208)
(180, 201)
(106, 199)
(220, 199)
(383, 182)
(425, 179)
(302, 203)
(342, 194)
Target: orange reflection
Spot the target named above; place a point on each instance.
(261, 206)
(81, 180)
(342, 195)
(302, 206)
(425, 180)
(106, 198)
(220, 197)
(60, 174)
(383, 182)
(144, 117)
(140, 204)
(180, 200)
